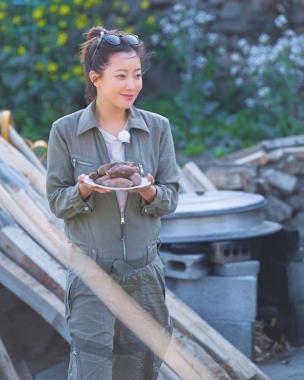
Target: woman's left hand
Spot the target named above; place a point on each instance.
(148, 193)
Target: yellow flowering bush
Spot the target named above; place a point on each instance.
(41, 77)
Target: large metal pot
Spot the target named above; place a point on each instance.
(217, 216)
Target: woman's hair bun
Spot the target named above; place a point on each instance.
(93, 32)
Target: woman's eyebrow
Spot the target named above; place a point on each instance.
(139, 69)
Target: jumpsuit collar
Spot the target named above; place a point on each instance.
(88, 120)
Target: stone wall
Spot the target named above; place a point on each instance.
(251, 17)
(248, 18)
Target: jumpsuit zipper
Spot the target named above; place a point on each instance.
(122, 228)
(122, 219)
(76, 358)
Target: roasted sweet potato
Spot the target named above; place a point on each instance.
(100, 180)
(117, 182)
(93, 175)
(102, 170)
(121, 170)
(136, 179)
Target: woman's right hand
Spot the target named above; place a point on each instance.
(86, 189)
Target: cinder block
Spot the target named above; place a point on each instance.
(242, 268)
(187, 267)
(240, 334)
(281, 283)
(231, 251)
(213, 296)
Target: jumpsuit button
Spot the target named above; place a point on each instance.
(86, 208)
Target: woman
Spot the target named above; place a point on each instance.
(119, 230)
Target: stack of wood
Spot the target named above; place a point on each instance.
(32, 269)
(273, 168)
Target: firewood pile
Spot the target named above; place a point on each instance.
(32, 268)
(273, 168)
(268, 348)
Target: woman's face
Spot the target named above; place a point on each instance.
(121, 81)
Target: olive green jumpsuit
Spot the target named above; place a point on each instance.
(124, 244)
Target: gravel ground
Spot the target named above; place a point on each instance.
(292, 369)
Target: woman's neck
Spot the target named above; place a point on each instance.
(111, 119)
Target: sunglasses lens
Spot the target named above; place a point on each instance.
(132, 39)
(112, 39)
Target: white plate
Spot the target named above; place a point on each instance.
(144, 183)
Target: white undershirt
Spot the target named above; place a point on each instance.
(116, 150)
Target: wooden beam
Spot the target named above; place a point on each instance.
(15, 159)
(194, 174)
(21, 145)
(283, 142)
(16, 244)
(6, 364)
(37, 231)
(32, 292)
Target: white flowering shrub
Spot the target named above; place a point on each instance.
(271, 80)
(229, 99)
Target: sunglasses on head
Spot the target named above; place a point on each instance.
(115, 40)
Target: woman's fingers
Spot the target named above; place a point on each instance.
(99, 190)
(150, 178)
(83, 183)
(89, 186)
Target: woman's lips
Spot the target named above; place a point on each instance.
(128, 97)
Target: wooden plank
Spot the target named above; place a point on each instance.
(202, 356)
(11, 178)
(255, 157)
(237, 365)
(231, 176)
(166, 373)
(261, 157)
(283, 142)
(185, 183)
(37, 231)
(14, 158)
(239, 154)
(295, 150)
(194, 172)
(282, 181)
(6, 364)
(15, 243)
(50, 228)
(32, 292)
(21, 145)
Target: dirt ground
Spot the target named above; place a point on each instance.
(291, 369)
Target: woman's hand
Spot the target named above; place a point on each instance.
(86, 189)
(147, 193)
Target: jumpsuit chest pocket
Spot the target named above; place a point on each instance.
(82, 166)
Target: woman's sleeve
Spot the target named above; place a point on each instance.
(166, 179)
(63, 194)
